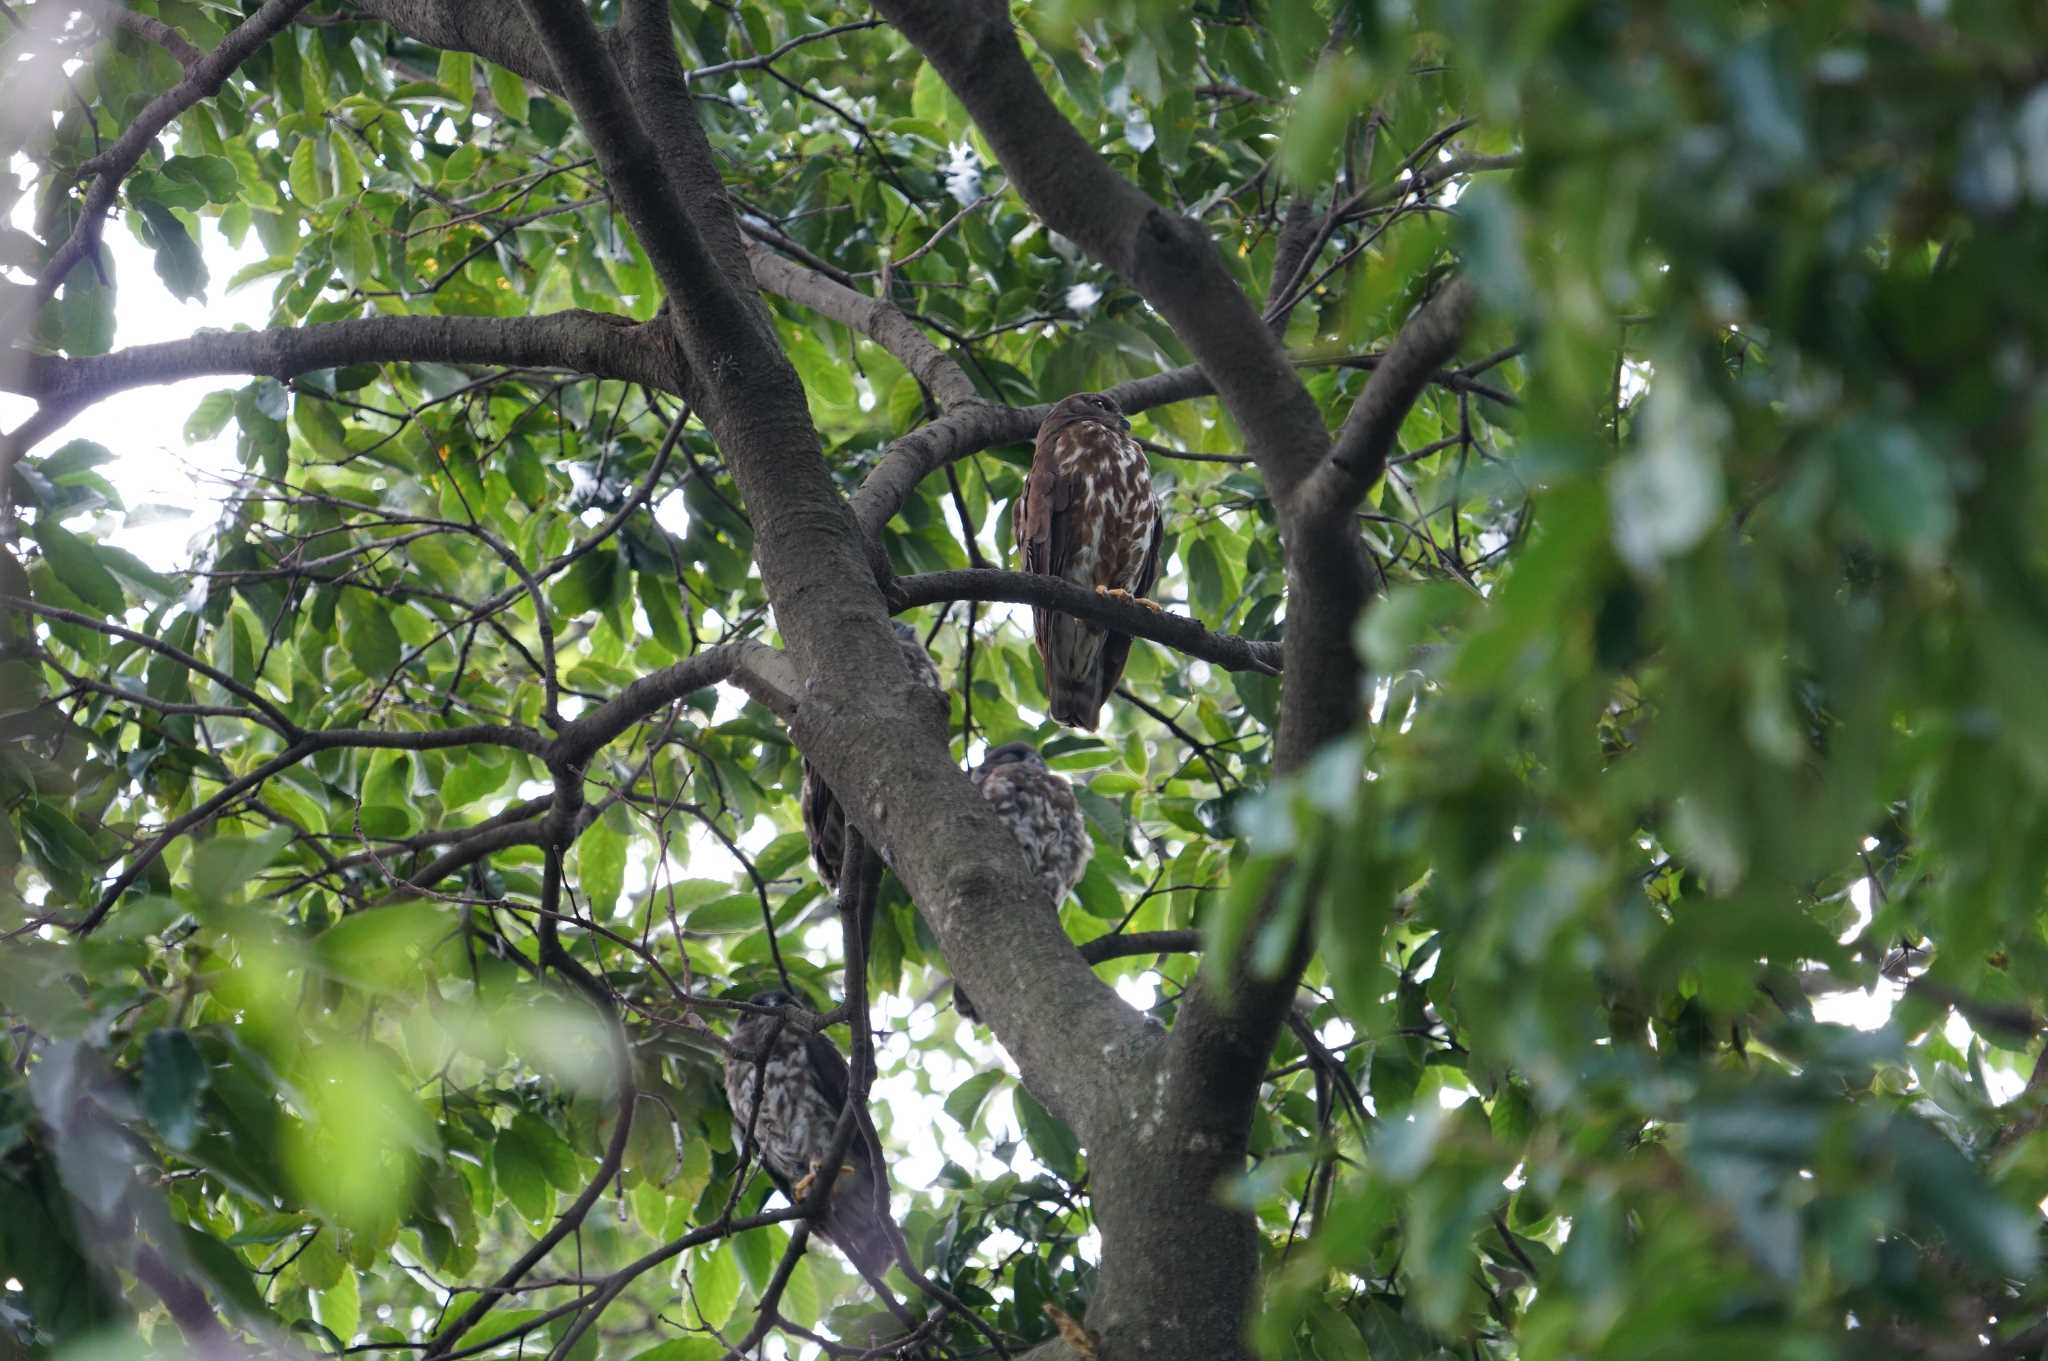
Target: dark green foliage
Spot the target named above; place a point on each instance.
(1710, 655)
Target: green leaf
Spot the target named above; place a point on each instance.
(210, 417)
(508, 92)
(457, 73)
(226, 1270)
(368, 635)
(783, 853)
(214, 174)
(965, 1101)
(523, 470)
(694, 1348)
(600, 865)
(551, 1152)
(173, 1077)
(714, 1282)
(178, 261)
(381, 951)
(227, 865)
(663, 608)
(339, 1308)
(1205, 577)
(77, 565)
(470, 780)
(521, 1175)
(74, 456)
(131, 568)
(1051, 1141)
(734, 912)
(824, 377)
(304, 175)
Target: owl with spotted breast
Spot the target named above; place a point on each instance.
(1087, 515)
(824, 819)
(801, 1081)
(1041, 811)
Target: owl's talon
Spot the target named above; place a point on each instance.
(802, 1190)
(1115, 593)
(1151, 605)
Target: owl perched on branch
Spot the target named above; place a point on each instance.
(1087, 516)
(1040, 810)
(802, 1081)
(824, 819)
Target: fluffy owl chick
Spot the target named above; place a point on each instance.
(1040, 810)
(1088, 516)
(824, 819)
(801, 1081)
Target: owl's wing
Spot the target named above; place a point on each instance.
(1047, 531)
(1116, 648)
(824, 826)
(828, 1070)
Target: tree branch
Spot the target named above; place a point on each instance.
(1127, 944)
(155, 30)
(580, 740)
(586, 342)
(878, 320)
(1177, 631)
(972, 427)
(1428, 339)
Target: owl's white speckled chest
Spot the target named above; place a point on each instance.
(1116, 506)
(1042, 813)
(794, 1127)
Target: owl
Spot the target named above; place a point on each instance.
(1040, 810)
(1087, 515)
(802, 1085)
(824, 819)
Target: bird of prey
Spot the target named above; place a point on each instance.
(824, 819)
(1087, 516)
(801, 1081)
(1040, 810)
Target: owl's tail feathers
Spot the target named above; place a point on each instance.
(1073, 670)
(853, 1224)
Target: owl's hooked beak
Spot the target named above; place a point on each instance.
(1125, 422)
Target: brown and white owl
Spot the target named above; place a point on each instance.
(1041, 811)
(824, 819)
(800, 1080)
(1087, 515)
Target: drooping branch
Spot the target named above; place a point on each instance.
(1177, 631)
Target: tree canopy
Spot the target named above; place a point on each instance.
(1569, 854)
